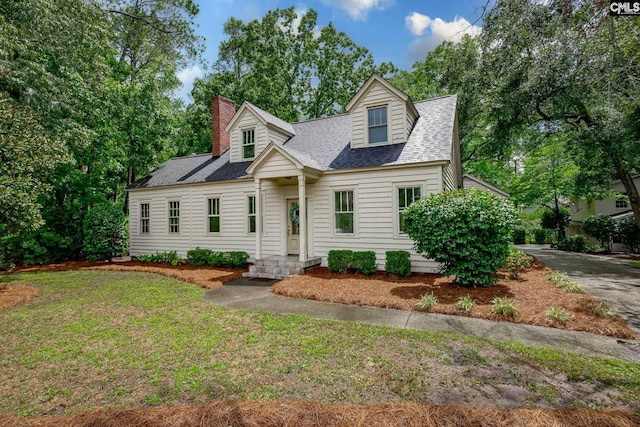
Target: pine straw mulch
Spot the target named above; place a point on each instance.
(532, 291)
(307, 414)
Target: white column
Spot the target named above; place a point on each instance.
(258, 200)
(302, 204)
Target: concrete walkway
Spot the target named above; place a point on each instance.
(255, 294)
(605, 278)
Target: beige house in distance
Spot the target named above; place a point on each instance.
(287, 193)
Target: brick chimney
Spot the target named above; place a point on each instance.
(222, 111)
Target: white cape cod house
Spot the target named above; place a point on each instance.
(287, 194)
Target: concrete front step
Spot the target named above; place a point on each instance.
(280, 267)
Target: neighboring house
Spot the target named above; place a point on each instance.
(275, 189)
(470, 181)
(616, 207)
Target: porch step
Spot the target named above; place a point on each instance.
(280, 267)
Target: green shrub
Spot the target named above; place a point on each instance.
(575, 243)
(398, 263)
(105, 232)
(519, 236)
(207, 257)
(602, 228)
(466, 303)
(427, 301)
(467, 231)
(503, 306)
(163, 258)
(603, 310)
(516, 262)
(363, 262)
(338, 260)
(629, 233)
(557, 220)
(236, 259)
(540, 236)
(199, 257)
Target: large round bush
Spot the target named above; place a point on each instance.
(105, 232)
(602, 228)
(467, 231)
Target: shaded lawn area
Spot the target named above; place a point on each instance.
(532, 292)
(123, 339)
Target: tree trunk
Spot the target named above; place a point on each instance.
(632, 192)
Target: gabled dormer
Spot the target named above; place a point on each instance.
(381, 114)
(252, 129)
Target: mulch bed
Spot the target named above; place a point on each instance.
(307, 414)
(532, 292)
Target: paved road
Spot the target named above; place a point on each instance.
(253, 294)
(605, 278)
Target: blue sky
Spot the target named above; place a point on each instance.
(400, 31)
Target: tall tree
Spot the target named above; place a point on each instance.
(569, 66)
(285, 64)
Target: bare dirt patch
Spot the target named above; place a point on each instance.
(533, 293)
(12, 295)
(302, 414)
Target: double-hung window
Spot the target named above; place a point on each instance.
(251, 214)
(248, 144)
(213, 215)
(377, 124)
(144, 218)
(621, 204)
(343, 212)
(406, 196)
(174, 217)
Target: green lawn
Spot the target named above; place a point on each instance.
(634, 263)
(99, 338)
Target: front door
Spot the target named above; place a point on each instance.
(293, 227)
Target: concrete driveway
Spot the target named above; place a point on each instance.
(603, 277)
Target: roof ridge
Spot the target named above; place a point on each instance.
(436, 98)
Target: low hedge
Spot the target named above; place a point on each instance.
(398, 263)
(363, 262)
(207, 257)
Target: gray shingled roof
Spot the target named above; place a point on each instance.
(324, 144)
(271, 119)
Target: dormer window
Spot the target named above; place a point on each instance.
(377, 123)
(248, 144)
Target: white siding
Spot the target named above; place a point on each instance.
(276, 137)
(449, 180)
(397, 117)
(375, 210)
(247, 121)
(276, 166)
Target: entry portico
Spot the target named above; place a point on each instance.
(285, 167)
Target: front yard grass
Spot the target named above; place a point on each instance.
(123, 339)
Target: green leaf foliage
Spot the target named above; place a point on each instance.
(467, 231)
(629, 233)
(105, 232)
(398, 263)
(601, 227)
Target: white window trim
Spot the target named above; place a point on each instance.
(206, 214)
(396, 202)
(173, 233)
(622, 202)
(366, 124)
(140, 203)
(355, 211)
(246, 212)
(242, 144)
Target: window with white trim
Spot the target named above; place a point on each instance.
(406, 196)
(622, 203)
(174, 217)
(343, 212)
(144, 218)
(248, 144)
(213, 215)
(377, 124)
(251, 214)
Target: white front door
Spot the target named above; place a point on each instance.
(293, 227)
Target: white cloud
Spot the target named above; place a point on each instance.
(417, 23)
(358, 10)
(439, 31)
(186, 77)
